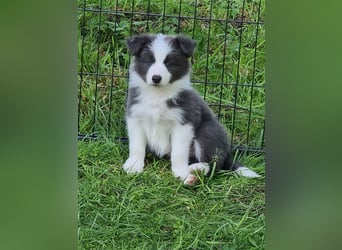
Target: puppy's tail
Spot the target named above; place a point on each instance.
(244, 171)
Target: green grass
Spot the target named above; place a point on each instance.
(153, 210)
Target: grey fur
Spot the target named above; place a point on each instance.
(136, 43)
(209, 133)
(186, 45)
(132, 98)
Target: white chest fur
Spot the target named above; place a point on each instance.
(157, 121)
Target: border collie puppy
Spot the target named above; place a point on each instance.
(166, 116)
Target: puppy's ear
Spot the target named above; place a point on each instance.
(136, 43)
(186, 45)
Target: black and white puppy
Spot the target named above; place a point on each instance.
(166, 116)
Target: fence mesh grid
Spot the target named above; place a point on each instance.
(228, 67)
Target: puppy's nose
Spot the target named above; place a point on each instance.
(156, 78)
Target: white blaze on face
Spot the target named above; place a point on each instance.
(160, 49)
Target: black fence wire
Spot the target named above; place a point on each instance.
(228, 64)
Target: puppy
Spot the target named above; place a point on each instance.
(165, 115)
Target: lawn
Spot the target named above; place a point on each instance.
(153, 210)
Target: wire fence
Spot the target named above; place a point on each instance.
(228, 64)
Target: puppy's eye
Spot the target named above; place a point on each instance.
(169, 62)
(148, 58)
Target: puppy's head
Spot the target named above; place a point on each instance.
(159, 59)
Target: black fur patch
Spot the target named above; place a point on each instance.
(136, 43)
(143, 62)
(132, 98)
(177, 61)
(177, 64)
(209, 133)
(184, 44)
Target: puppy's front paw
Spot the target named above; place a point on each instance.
(180, 172)
(133, 165)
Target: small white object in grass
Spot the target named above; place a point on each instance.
(246, 172)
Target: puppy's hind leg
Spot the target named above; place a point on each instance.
(199, 168)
